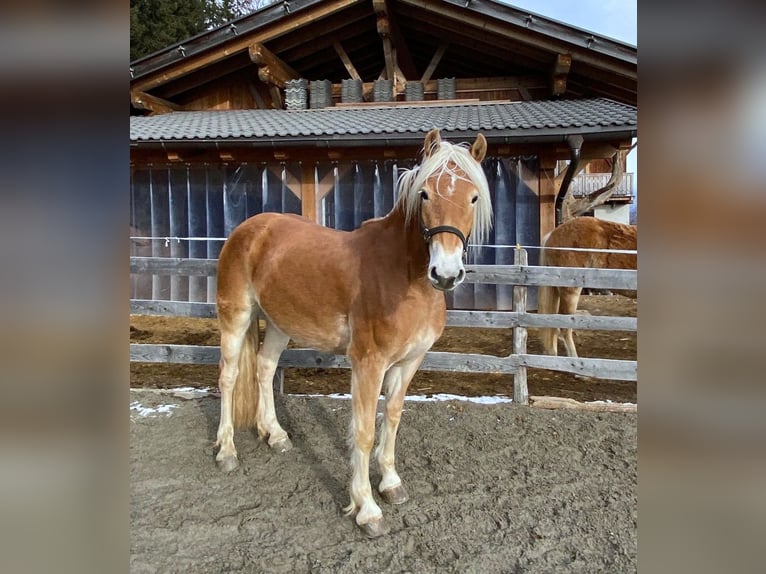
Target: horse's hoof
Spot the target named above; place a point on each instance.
(395, 495)
(227, 464)
(282, 445)
(374, 528)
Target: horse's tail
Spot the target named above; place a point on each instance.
(548, 304)
(245, 399)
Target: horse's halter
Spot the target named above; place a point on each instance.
(428, 233)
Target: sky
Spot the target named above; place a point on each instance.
(616, 19)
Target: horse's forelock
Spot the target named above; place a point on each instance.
(413, 180)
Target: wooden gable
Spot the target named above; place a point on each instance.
(494, 52)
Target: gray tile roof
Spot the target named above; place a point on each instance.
(514, 121)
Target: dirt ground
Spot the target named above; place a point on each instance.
(493, 488)
(599, 344)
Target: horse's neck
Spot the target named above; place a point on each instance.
(404, 241)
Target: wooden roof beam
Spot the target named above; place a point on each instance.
(435, 59)
(387, 28)
(482, 25)
(153, 104)
(271, 70)
(403, 56)
(225, 50)
(559, 73)
(346, 61)
(388, 49)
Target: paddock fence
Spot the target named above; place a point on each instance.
(520, 276)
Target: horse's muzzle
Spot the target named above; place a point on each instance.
(445, 283)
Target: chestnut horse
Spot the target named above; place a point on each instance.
(581, 232)
(375, 294)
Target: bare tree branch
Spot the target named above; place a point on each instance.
(574, 207)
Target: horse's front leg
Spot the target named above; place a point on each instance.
(366, 380)
(396, 382)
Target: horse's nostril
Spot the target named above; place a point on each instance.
(461, 275)
(434, 275)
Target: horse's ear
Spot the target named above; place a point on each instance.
(479, 148)
(433, 139)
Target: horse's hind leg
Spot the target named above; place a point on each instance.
(234, 325)
(396, 381)
(274, 342)
(570, 296)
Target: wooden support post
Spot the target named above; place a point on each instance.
(520, 391)
(548, 189)
(276, 97)
(308, 191)
(559, 73)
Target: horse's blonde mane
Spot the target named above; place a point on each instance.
(413, 180)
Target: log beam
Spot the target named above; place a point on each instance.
(402, 55)
(346, 61)
(394, 47)
(271, 69)
(153, 104)
(388, 49)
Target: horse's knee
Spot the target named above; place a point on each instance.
(364, 440)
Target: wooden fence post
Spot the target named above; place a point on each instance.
(520, 391)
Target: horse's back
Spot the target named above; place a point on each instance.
(591, 233)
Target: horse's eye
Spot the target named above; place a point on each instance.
(423, 194)
(475, 199)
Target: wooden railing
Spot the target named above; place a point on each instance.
(520, 275)
(586, 183)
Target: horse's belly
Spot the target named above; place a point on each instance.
(328, 334)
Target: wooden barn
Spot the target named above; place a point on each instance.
(315, 106)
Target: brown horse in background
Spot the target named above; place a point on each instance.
(581, 232)
(375, 294)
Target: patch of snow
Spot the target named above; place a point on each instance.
(608, 402)
(150, 411)
(195, 390)
(423, 398)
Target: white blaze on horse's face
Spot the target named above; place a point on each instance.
(447, 201)
(445, 268)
